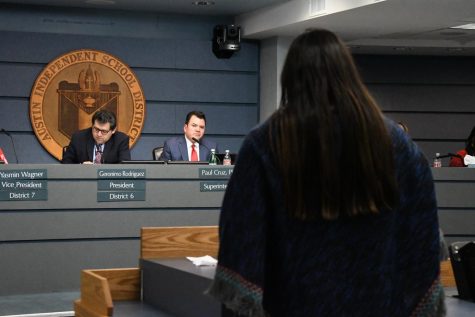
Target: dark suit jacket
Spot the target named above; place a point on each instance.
(175, 149)
(81, 148)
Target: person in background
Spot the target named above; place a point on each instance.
(317, 220)
(100, 144)
(192, 146)
(403, 126)
(458, 161)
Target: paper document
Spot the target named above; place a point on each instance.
(203, 260)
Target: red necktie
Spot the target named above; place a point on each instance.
(194, 155)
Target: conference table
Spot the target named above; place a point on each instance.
(66, 218)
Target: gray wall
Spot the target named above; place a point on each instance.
(273, 54)
(455, 189)
(434, 96)
(170, 54)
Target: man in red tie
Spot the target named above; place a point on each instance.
(192, 146)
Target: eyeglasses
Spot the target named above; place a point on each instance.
(97, 130)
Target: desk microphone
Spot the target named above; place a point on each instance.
(11, 140)
(450, 155)
(198, 141)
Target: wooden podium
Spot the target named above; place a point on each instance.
(100, 288)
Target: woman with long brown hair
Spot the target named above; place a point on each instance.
(331, 208)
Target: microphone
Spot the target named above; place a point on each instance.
(199, 142)
(450, 155)
(11, 140)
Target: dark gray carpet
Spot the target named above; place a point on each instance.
(37, 303)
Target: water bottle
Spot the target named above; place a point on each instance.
(227, 158)
(437, 160)
(213, 159)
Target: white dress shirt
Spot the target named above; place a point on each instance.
(188, 147)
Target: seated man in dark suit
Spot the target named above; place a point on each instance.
(100, 144)
(192, 146)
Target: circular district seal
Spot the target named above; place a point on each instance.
(75, 85)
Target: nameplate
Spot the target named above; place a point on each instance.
(23, 195)
(109, 196)
(121, 184)
(214, 172)
(218, 186)
(24, 174)
(23, 184)
(120, 173)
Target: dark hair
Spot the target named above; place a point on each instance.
(105, 116)
(322, 134)
(198, 114)
(470, 143)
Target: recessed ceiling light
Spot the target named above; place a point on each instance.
(469, 26)
(100, 2)
(203, 3)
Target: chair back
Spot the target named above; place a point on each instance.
(65, 148)
(157, 152)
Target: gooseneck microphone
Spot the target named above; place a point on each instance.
(450, 155)
(200, 143)
(11, 140)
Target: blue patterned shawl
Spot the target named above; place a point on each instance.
(271, 264)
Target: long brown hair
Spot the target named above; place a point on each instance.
(329, 137)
